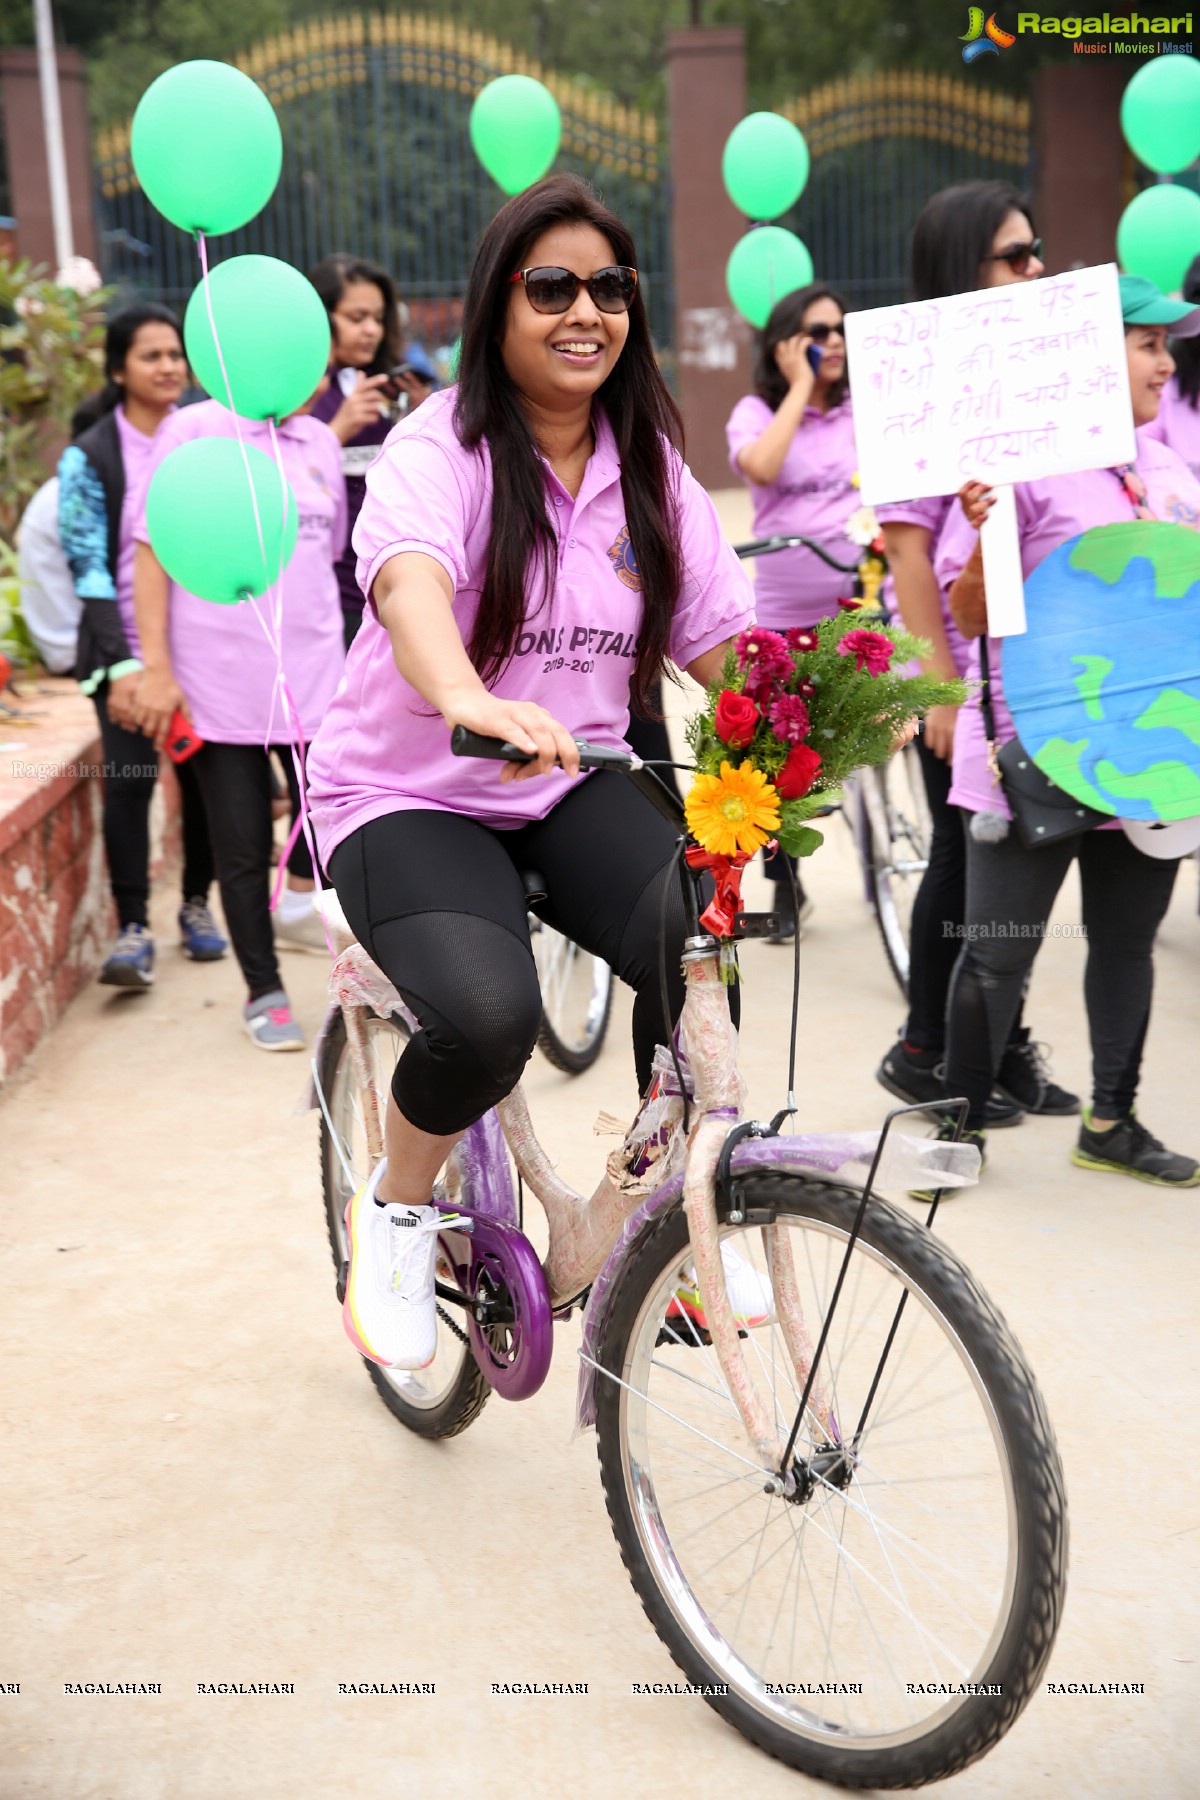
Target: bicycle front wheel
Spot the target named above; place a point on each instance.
(576, 1000)
(883, 1625)
(898, 832)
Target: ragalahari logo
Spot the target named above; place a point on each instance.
(982, 39)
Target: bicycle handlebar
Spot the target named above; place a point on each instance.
(591, 756)
(767, 547)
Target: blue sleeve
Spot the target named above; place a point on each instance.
(83, 526)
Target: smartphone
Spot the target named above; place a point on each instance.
(183, 740)
(814, 359)
(399, 372)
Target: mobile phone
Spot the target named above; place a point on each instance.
(399, 372)
(183, 740)
(814, 359)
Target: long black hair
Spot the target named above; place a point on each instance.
(334, 275)
(1186, 351)
(954, 234)
(119, 334)
(644, 419)
(786, 320)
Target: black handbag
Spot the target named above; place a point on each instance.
(1044, 812)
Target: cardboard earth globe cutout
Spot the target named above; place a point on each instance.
(1104, 687)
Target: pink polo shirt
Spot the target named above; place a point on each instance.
(221, 655)
(135, 455)
(1177, 426)
(381, 748)
(812, 496)
(1049, 512)
(931, 514)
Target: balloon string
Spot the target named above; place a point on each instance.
(274, 636)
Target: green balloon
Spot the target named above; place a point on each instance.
(1160, 114)
(201, 520)
(764, 165)
(515, 128)
(766, 264)
(1158, 234)
(273, 331)
(206, 146)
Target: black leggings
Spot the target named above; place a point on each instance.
(235, 781)
(130, 774)
(1010, 891)
(436, 899)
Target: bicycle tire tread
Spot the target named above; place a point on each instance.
(1020, 1657)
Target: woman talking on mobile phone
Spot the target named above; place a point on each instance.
(792, 442)
(99, 478)
(976, 235)
(368, 378)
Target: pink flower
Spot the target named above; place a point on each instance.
(870, 650)
(806, 689)
(789, 719)
(802, 640)
(763, 654)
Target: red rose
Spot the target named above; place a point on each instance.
(798, 773)
(736, 720)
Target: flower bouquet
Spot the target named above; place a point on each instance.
(793, 715)
(863, 529)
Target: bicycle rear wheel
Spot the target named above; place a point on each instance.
(897, 839)
(886, 1625)
(576, 1000)
(445, 1397)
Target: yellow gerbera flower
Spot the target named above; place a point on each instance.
(733, 813)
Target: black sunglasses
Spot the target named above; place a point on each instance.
(553, 290)
(1019, 256)
(821, 334)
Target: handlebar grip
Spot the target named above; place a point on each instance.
(473, 743)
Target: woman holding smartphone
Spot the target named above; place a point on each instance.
(792, 442)
(370, 385)
(977, 235)
(99, 478)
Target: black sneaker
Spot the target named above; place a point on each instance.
(1127, 1148)
(947, 1133)
(1024, 1077)
(921, 1083)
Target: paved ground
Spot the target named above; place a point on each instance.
(199, 1485)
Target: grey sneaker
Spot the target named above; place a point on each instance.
(130, 962)
(305, 933)
(270, 1023)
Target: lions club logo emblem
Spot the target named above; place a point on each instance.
(621, 557)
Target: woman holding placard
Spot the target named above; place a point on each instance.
(976, 235)
(1011, 887)
(792, 442)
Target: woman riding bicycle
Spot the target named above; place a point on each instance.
(532, 549)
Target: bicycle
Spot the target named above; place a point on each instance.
(886, 810)
(576, 999)
(873, 1450)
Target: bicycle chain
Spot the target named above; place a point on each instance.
(461, 1335)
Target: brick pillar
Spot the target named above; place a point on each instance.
(25, 143)
(706, 93)
(1083, 171)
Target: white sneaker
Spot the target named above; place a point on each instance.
(304, 931)
(390, 1313)
(750, 1294)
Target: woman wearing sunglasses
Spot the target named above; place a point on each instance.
(977, 235)
(532, 549)
(1011, 888)
(792, 442)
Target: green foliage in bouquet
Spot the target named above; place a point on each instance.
(806, 708)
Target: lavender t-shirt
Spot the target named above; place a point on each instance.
(222, 658)
(812, 496)
(1177, 426)
(382, 748)
(931, 514)
(1048, 513)
(136, 448)
(357, 457)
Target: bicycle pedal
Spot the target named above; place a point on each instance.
(756, 925)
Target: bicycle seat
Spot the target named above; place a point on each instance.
(534, 883)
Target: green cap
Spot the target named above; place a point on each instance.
(1144, 304)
